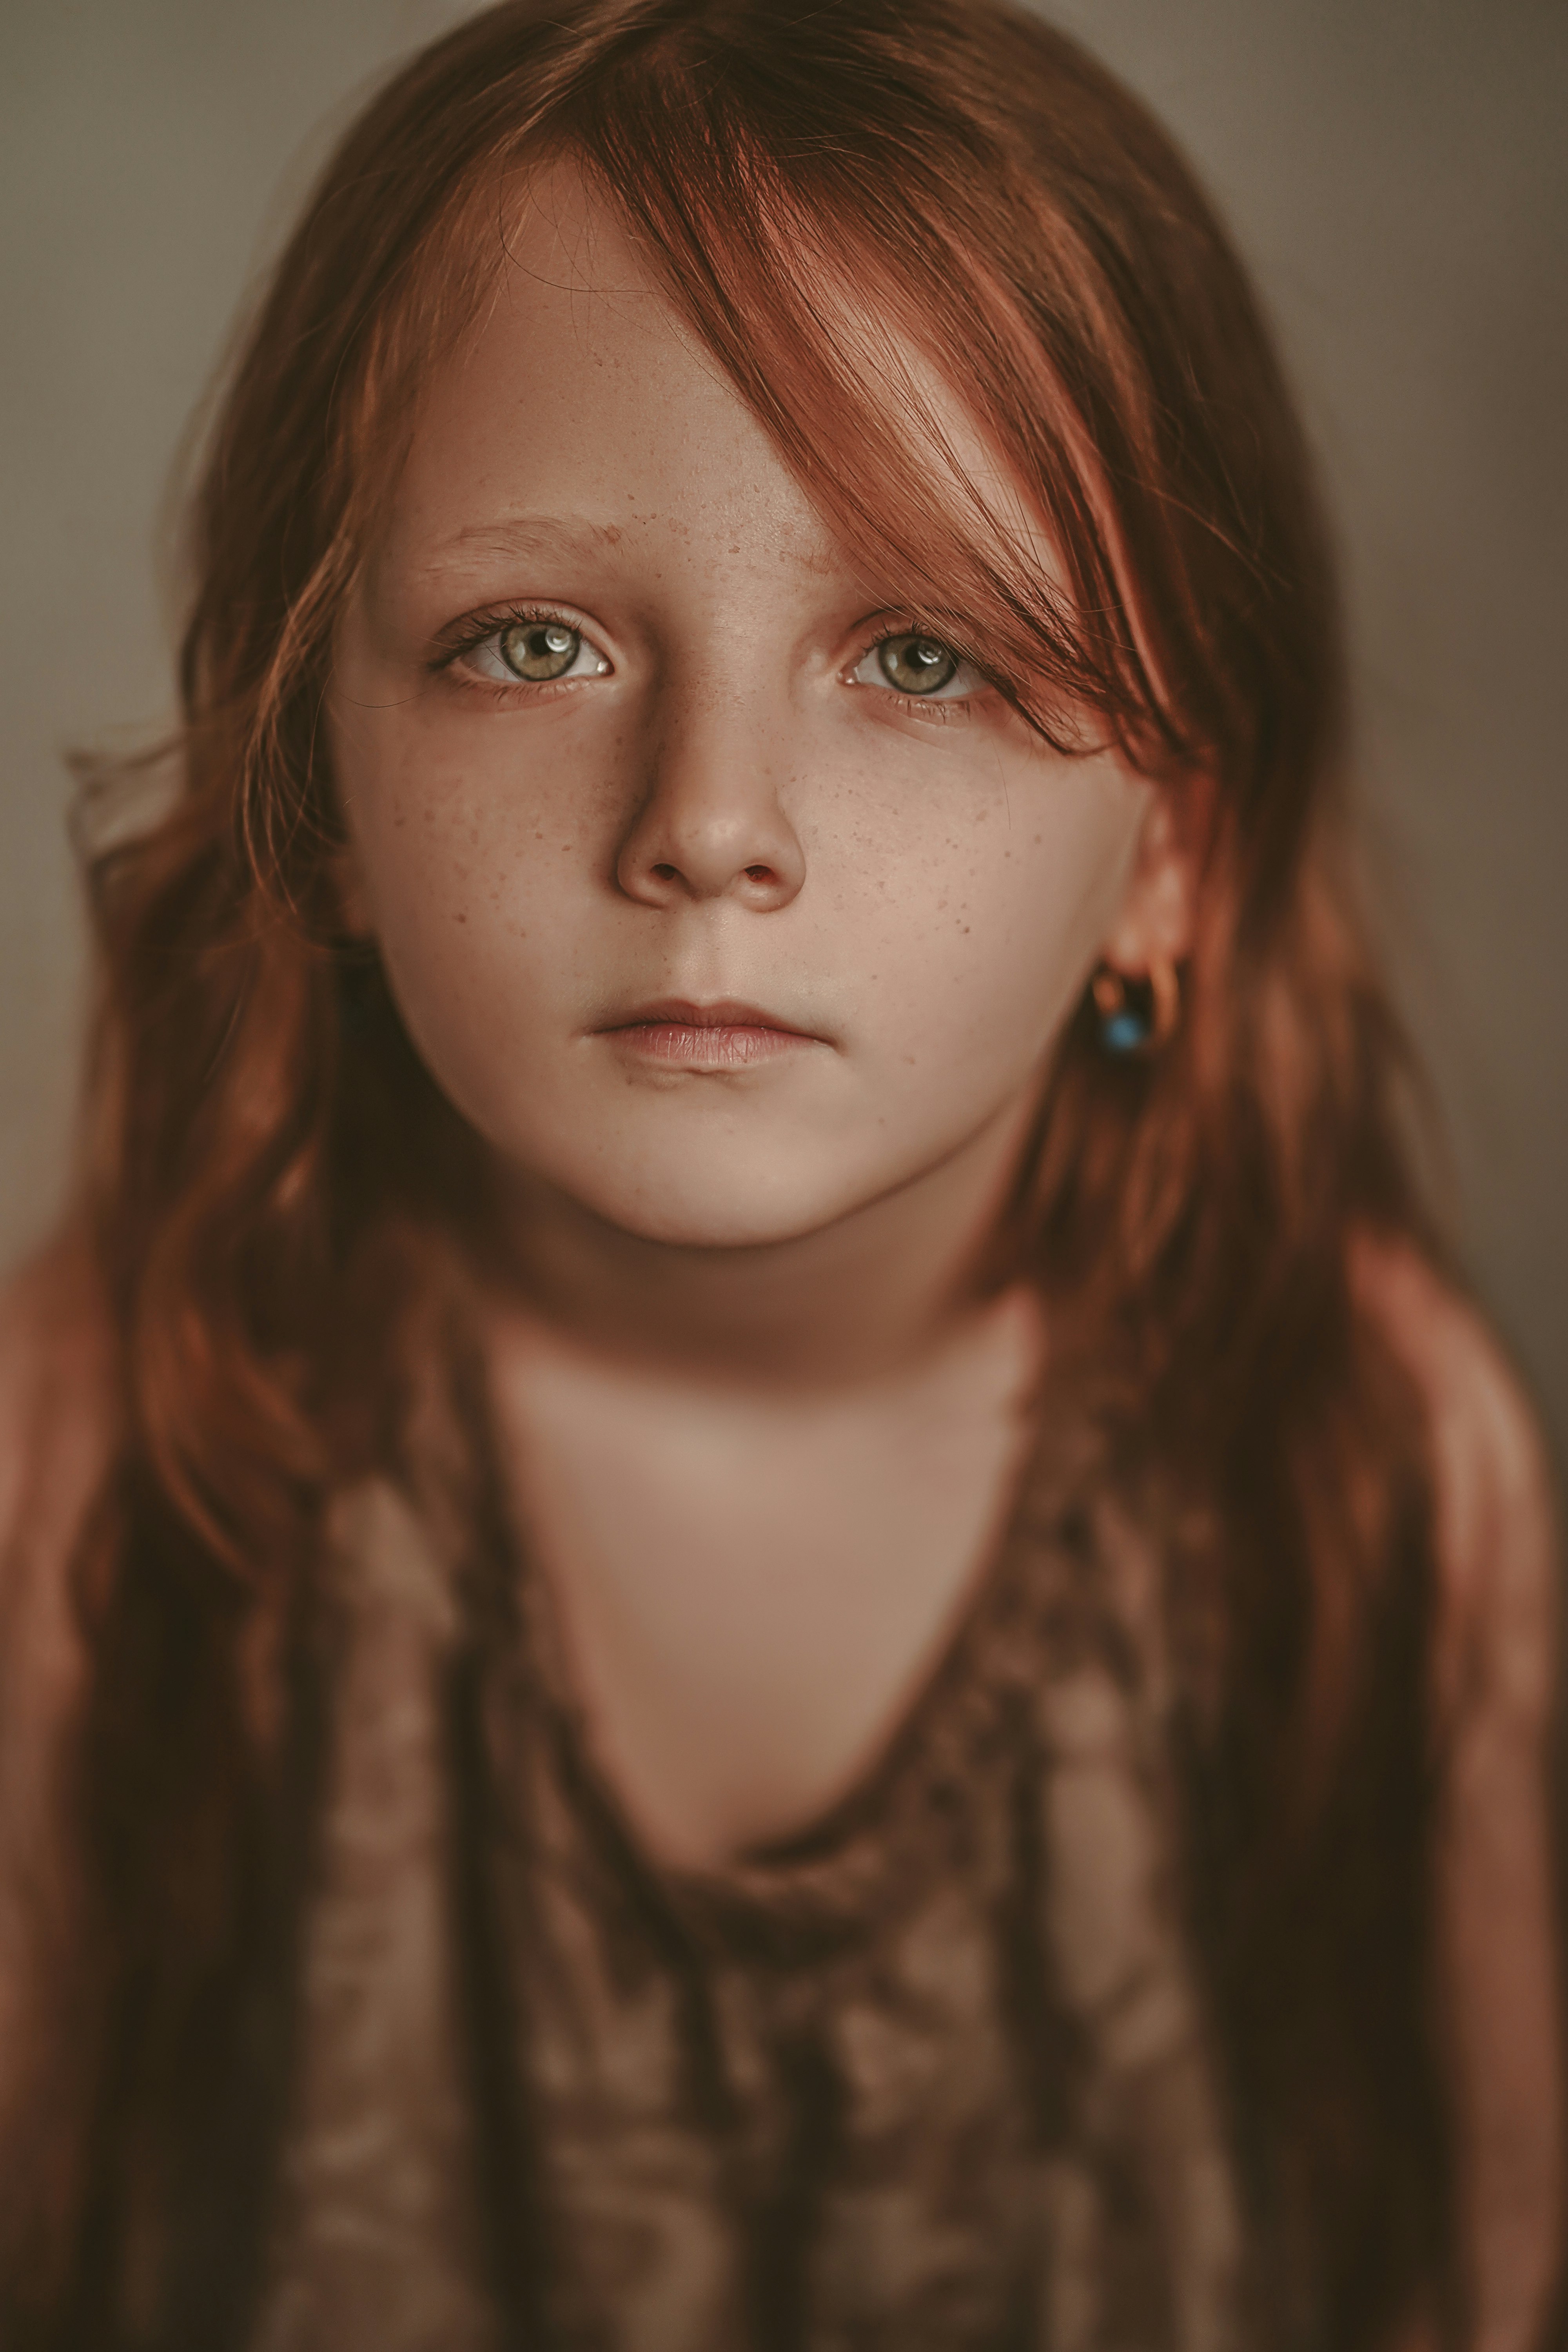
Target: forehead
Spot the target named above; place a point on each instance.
(580, 389)
(577, 389)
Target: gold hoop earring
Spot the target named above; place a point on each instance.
(1127, 1026)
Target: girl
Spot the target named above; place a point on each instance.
(759, 1592)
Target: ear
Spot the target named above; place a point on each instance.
(1154, 924)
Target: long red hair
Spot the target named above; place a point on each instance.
(272, 1173)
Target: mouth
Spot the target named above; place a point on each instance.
(725, 1035)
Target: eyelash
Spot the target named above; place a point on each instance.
(481, 626)
(467, 636)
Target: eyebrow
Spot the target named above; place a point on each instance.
(524, 535)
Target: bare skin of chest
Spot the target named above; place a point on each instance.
(751, 1588)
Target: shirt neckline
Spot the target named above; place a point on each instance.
(837, 1859)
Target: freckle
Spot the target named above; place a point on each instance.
(461, 918)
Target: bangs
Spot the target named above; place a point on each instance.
(831, 240)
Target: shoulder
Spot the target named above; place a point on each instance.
(56, 1434)
(1496, 1519)
(55, 1441)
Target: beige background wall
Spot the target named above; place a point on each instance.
(1396, 170)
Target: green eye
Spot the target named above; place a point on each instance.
(917, 664)
(539, 650)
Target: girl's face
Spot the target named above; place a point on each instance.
(712, 896)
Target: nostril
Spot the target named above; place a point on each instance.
(761, 874)
(665, 873)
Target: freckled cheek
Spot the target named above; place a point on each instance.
(976, 942)
(473, 845)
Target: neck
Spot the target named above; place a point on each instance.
(875, 1292)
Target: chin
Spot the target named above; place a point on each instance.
(712, 1217)
(726, 1201)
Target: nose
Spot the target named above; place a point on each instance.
(710, 826)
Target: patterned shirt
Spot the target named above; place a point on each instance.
(931, 2076)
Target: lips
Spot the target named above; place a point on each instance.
(725, 1035)
(679, 1011)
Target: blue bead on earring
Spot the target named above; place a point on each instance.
(1126, 1027)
